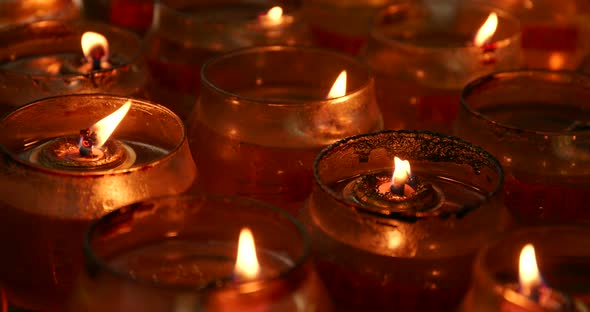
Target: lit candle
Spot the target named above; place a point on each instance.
(339, 87)
(274, 17)
(96, 51)
(402, 181)
(247, 267)
(486, 31)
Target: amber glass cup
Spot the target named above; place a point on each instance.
(376, 251)
(263, 116)
(423, 53)
(47, 200)
(536, 124)
(178, 254)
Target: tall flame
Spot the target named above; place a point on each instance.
(339, 87)
(247, 267)
(105, 127)
(486, 31)
(90, 42)
(528, 271)
(401, 172)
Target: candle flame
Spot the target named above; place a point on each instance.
(528, 271)
(275, 13)
(105, 127)
(95, 46)
(401, 172)
(339, 87)
(247, 267)
(486, 31)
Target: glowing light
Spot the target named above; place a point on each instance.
(275, 13)
(95, 46)
(528, 271)
(401, 172)
(556, 61)
(339, 87)
(247, 267)
(273, 17)
(105, 127)
(486, 31)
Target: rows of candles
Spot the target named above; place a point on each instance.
(226, 157)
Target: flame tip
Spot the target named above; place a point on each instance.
(339, 87)
(487, 30)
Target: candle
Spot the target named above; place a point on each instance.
(44, 59)
(406, 238)
(180, 253)
(176, 54)
(423, 54)
(534, 122)
(54, 181)
(264, 127)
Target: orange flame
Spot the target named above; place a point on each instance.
(90, 42)
(401, 172)
(528, 271)
(247, 267)
(273, 17)
(105, 127)
(339, 87)
(486, 31)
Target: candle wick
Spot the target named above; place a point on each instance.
(86, 143)
(96, 54)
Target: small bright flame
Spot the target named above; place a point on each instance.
(247, 267)
(105, 127)
(339, 87)
(275, 13)
(90, 40)
(401, 172)
(556, 60)
(486, 31)
(528, 272)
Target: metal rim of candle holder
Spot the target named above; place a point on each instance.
(171, 152)
(394, 8)
(567, 78)
(346, 59)
(71, 28)
(409, 216)
(296, 272)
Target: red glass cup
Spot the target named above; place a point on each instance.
(423, 54)
(186, 34)
(47, 198)
(535, 123)
(178, 254)
(263, 116)
(380, 252)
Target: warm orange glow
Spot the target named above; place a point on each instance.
(247, 267)
(105, 127)
(556, 60)
(401, 172)
(486, 31)
(339, 87)
(90, 41)
(275, 13)
(528, 272)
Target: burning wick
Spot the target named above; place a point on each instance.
(96, 136)
(339, 87)
(96, 50)
(486, 31)
(274, 17)
(402, 182)
(246, 267)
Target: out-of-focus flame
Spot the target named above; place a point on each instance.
(486, 31)
(528, 271)
(401, 172)
(339, 87)
(273, 17)
(247, 267)
(556, 60)
(105, 127)
(95, 45)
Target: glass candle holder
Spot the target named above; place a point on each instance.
(535, 123)
(49, 194)
(187, 33)
(263, 116)
(135, 15)
(26, 11)
(178, 254)
(402, 252)
(45, 58)
(423, 53)
(342, 24)
(562, 259)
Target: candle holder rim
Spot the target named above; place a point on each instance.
(155, 163)
(503, 42)
(220, 283)
(285, 102)
(486, 277)
(405, 216)
(76, 23)
(537, 75)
